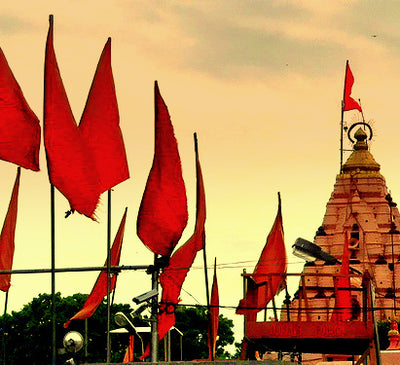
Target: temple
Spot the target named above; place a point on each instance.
(361, 206)
(359, 229)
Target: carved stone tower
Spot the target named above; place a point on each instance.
(361, 206)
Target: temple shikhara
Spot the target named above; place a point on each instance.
(360, 205)
(343, 293)
(350, 280)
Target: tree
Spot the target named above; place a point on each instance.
(193, 323)
(26, 335)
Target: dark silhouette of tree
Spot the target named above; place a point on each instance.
(25, 336)
(193, 323)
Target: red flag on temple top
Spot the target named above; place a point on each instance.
(214, 316)
(69, 162)
(163, 212)
(7, 237)
(348, 102)
(19, 126)
(269, 273)
(100, 125)
(342, 310)
(99, 290)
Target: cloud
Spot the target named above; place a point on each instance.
(235, 40)
(10, 25)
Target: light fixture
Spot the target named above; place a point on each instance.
(123, 321)
(310, 252)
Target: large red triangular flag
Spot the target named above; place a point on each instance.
(163, 211)
(214, 316)
(181, 261)
(19, 126)
(70, 164)
(99, 290)
(7, 237)
(269, 273)
(342, 310)
(100, 125)
(174, 274)
(348, 102)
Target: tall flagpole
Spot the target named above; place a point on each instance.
(154, 312)
(341, 119)
(196, 149)
(53, 276)
(108, 271)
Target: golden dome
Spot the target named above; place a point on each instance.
(360, 160)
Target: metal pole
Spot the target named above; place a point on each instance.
(341, 119)
(206, 277)
(341, 141)
(244, 296)
(6, 303)
(74, 269)
(181, 343)
(53, 276)
(287, 302)
(169, 346)
(86, 339)
(208, 299)
(154, 313)
(108, 271)
(3, 334)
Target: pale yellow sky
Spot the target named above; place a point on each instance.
(259, 81)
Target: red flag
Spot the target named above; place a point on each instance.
(249, 304)
(163, 211)
(181, 261)
(7, 237)
(100, 125)
(269, 272)
(342, 311)
(146, 352)
(69, 162)
(19, 126)
(348, 102)
(99, 290)
(214, 317)
(129, 350)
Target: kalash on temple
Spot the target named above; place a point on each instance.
(335, 310)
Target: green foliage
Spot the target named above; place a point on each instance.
(193, 322)
(26, 335)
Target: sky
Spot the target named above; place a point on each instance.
(261, 83)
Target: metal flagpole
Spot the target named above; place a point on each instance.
(211, 333)
(204, 249)
(341, 119)
(196, 149)
(86, 339)
(154, 312)
(6, 303)
(108, 271)
(53, 276)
